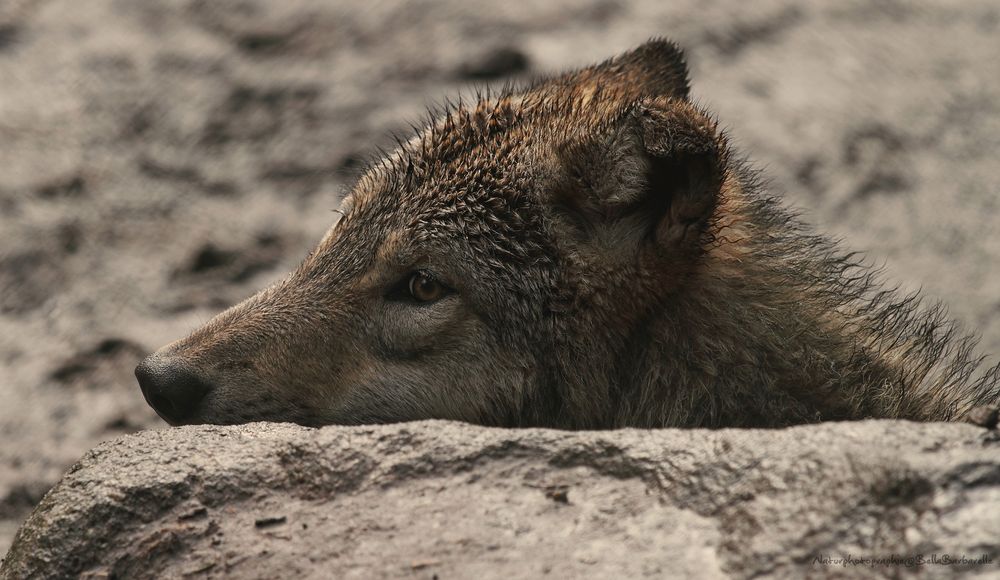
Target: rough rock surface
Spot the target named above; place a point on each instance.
(448, 500)
(163, 159)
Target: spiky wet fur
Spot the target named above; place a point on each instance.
(615, 265)
(796, 330)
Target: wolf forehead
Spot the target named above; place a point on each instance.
(476, 169)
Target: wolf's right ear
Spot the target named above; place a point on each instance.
(651, 177)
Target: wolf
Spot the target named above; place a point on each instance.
(587, 252)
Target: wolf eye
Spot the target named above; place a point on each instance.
(424, 288)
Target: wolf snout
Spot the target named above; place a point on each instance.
(172, 388)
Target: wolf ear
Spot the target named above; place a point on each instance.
(654, 69)
(657, 67)
(655, 174)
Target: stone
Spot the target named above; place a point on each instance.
(448, 500)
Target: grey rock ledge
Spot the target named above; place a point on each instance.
(453, 500)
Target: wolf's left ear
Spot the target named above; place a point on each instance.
(654, 69)
(654, 174)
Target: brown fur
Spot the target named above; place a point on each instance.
(612, 264)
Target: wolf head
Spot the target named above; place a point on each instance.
(499, 267)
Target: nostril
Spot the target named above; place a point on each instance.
(163, 404)
(171, 387)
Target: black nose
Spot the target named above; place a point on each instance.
(171, 388)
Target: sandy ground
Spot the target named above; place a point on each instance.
(160, 160)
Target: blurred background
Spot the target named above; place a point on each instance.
(161, 160)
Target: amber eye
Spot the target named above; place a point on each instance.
(424, 288)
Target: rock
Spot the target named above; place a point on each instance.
(984, 416)
(453, 500)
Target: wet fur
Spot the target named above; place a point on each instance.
(615, 264)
